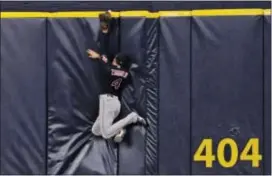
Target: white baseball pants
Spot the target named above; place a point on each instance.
(109, 109)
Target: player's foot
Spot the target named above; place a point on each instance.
(142, 121)
(120, 136)
(138, 119)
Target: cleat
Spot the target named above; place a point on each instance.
(120, 136)
(142, 121)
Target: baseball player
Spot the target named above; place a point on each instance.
(109, 103)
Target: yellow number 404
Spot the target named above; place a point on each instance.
(209, 157)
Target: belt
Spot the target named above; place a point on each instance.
(110, 95)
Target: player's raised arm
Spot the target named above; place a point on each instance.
(93, 55)
(96, 56)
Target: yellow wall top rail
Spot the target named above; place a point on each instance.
(147, 14)
(228, 12)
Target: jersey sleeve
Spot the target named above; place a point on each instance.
(106, 65)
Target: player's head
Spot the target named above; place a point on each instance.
(122, 60)
(105, 21)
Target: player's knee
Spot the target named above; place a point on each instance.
(106, 134)
(95, 131)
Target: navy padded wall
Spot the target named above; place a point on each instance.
(174, 111)
(152, 95)
(227, 85)
(74, 85)
(267, 94)
(134, 97)
(23, 96)
(194, 78)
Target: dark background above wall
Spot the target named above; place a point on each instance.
(128, 5)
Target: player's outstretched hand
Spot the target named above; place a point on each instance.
(92, 54)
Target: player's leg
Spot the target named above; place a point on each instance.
(96, 127)
(117, 127)
(110, 107)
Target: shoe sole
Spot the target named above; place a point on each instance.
(119, 137)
